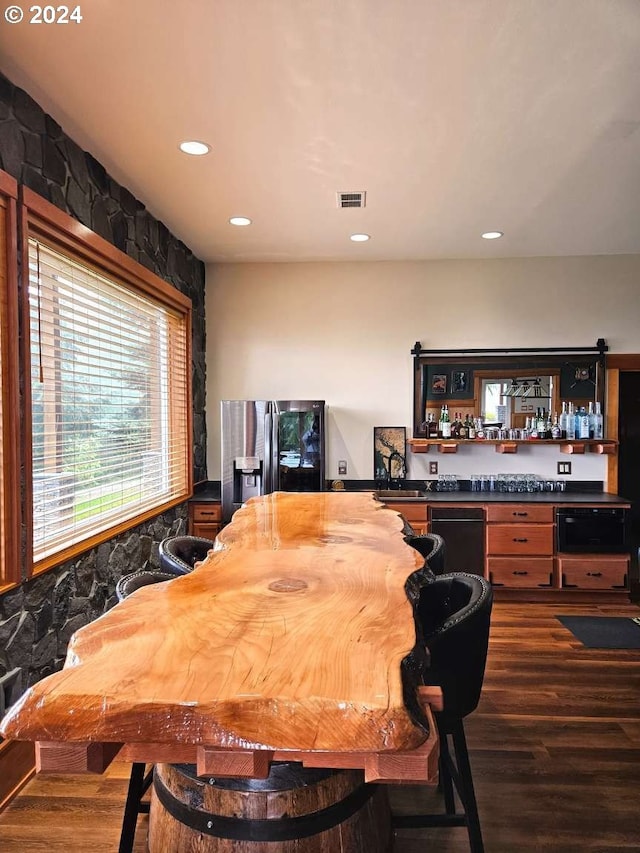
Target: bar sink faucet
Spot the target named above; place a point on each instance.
(396, 482)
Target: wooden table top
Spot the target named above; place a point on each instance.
(289, 636)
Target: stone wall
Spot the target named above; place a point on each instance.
(37, 618)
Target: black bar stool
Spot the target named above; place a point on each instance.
(455, 613)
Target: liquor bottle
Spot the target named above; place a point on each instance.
(563, 420)
(446, 423)
(432, 426)
(571, 423)
(541, 424)
(471, 428)
(598, 423)
(462, 427)
(592, 419)
(556, 432)
(583, 423)
(454, 426)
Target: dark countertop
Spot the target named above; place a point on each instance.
(523, 497)
(210, 491)
(206, 491)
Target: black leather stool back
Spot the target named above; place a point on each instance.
(455, 614)
(432, 547)
(454, 611)
(178, 554)
(131, 582)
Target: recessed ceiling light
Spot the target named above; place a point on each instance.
(492, 235)
(359, 238)
(240, 220)
(191, 146)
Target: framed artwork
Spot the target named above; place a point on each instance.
(389, 452)
(459, 381)
(439, 383)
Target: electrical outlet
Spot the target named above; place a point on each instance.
(564, 467)
(342, 468)
(433, 467)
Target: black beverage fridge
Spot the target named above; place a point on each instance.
(270, 446)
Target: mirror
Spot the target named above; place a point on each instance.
(504, 387)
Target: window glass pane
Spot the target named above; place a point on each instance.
(109, 378)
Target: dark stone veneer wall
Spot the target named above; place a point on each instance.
(38, 618)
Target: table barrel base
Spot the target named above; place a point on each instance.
(294, 810)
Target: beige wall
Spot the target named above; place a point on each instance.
(343, 332)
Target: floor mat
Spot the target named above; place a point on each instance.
(604, 632)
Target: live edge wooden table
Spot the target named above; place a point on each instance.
(285, 645)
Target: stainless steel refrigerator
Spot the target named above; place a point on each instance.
(270, 446)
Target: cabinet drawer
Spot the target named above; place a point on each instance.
(520, 539)
(520, 513)
(205, 531)
(518, 572)
(594, 572)
(411, 511)
(206, 512)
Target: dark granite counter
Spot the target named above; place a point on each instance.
(208, 490)
(570, 498)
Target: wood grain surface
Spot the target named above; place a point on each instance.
(289, 636)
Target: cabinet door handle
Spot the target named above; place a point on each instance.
(520, 540)
(521, 514)
(594, 574)
(519, 573)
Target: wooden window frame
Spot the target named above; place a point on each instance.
(10, 565)
(41, 220)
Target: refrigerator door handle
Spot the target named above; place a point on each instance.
(274, 461)
(268, 473)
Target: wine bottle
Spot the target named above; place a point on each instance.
(471, 429)
(454, 425)
(462, 427)
(446, 423)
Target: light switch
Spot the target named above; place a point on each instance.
(342, 467)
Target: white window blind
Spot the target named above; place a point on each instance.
(109, 387)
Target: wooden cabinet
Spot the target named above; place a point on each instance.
(520, 545)
(520, 539)
(521, 556)
(415, 513)
(593, 571)
(521, 560)
(516, 573)
(524, 513)
(205, 519)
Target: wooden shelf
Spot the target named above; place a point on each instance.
(450, 445)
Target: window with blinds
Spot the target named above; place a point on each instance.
(110, 379)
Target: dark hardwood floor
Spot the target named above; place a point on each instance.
(554, 744)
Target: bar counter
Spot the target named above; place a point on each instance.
(286, 643)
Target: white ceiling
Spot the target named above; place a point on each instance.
(455, 117)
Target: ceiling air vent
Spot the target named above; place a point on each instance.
(357, 199)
